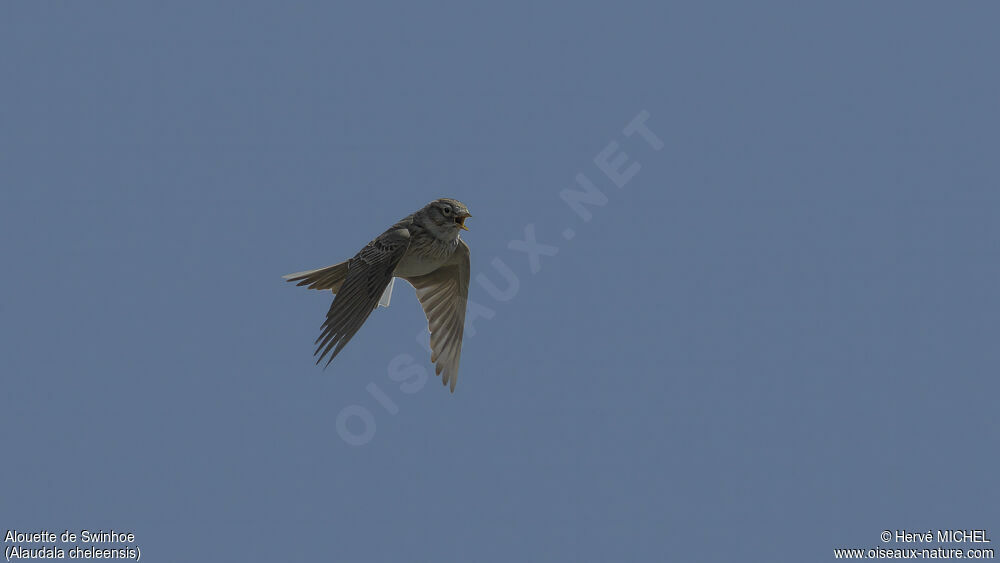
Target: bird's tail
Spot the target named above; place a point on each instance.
(330, 277)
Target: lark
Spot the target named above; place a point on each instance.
(424, 249)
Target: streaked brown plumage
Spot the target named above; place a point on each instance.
(424, 249)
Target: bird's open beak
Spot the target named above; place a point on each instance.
(461, 221)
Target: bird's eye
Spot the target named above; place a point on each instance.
(446, 210)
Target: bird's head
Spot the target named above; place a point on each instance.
(444, 217)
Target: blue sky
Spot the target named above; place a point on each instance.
(777, 338)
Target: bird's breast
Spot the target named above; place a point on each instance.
(423, 257)
(412, 265)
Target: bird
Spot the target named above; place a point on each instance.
(425, 249)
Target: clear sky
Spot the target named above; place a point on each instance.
(777, 338)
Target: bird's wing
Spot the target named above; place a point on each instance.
(443, 294)
(368, 273)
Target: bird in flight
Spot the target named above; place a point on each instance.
(424, 249)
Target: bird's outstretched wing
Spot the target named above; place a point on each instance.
(368, 274)
(444, 294)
